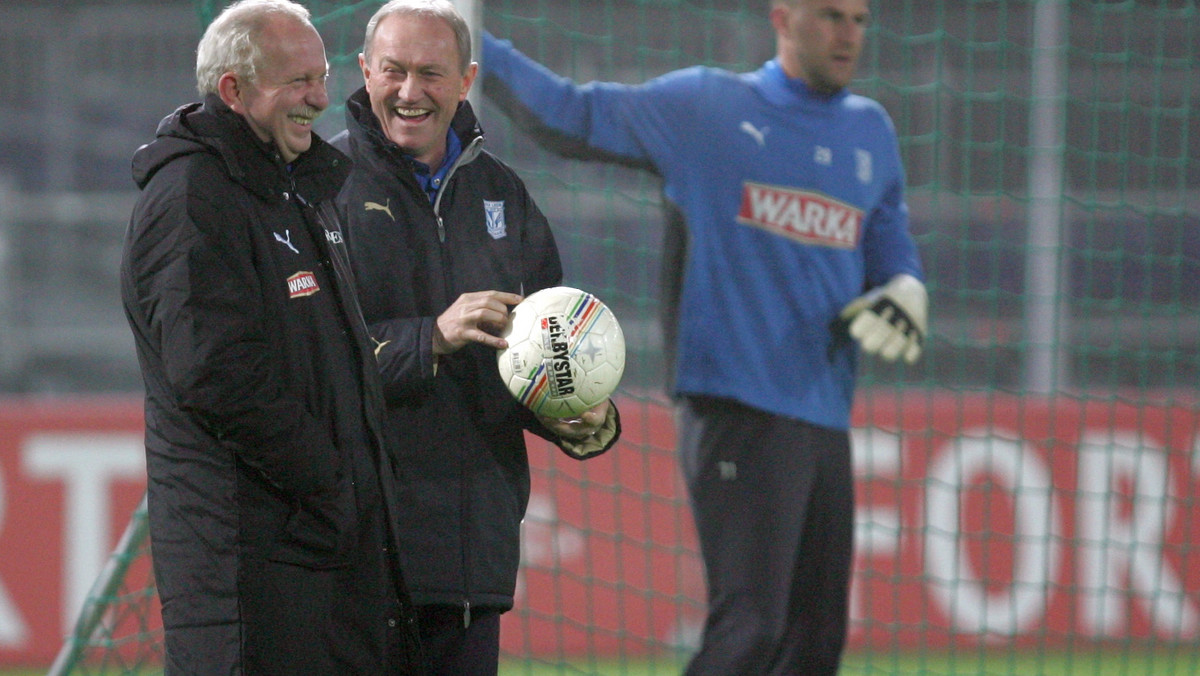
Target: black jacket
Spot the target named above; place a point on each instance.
(459, 434)
(263, 409)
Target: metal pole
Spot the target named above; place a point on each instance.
(12, 322)
(1045, 368)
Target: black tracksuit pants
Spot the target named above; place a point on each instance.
(773, 501)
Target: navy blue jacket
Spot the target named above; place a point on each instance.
(459, 435)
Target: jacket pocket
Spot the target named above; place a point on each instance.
(319, 532)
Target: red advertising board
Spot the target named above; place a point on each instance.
(71, 473)
(980, 518)
(1027, 520)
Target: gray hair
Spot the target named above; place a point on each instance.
(231, 41)
(440, 9)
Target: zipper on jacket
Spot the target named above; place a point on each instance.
(468, 154)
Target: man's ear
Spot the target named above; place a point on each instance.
(468, 80)
(778, 17)
(364, 67)
(229, 87)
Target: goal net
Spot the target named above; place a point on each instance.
(1027, 494)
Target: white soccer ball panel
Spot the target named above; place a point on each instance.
(566, 352)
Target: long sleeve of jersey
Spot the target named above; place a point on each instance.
(597, 120)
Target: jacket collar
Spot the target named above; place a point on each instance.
(368, 142)
(211, 126)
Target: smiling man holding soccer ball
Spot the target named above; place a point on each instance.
(443, 239)
(791, 192)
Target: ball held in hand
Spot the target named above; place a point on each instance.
(565, 354)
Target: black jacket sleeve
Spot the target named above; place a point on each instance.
(404, 352)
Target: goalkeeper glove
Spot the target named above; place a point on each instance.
(598, 442)
(889, 320)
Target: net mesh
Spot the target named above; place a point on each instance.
(1027, 493)
(119, 629)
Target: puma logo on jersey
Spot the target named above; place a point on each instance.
(759, 135)
(386, 208)
(802, 215)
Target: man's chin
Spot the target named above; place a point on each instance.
(408, 136)
(295, 148)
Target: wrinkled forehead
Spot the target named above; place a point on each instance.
(845, 7)
(289, 49)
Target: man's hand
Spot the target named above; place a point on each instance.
(589, 434)
(586, 424)
(477, 317)
(890, 320)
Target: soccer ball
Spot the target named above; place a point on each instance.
(565, 353)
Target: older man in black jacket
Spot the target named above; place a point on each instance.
(443, 238)
(271, 497)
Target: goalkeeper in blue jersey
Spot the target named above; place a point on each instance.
(798, 256)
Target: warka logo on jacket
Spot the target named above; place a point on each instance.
(303, 283)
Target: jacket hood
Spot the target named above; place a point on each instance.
(174, 138)
(211, 127)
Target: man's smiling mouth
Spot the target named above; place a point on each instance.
(413, 114)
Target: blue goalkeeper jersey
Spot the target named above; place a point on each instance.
(794, 204)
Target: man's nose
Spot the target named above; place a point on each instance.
(318, 96)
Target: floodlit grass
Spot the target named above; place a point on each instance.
(1183, 660)
(659, 667)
